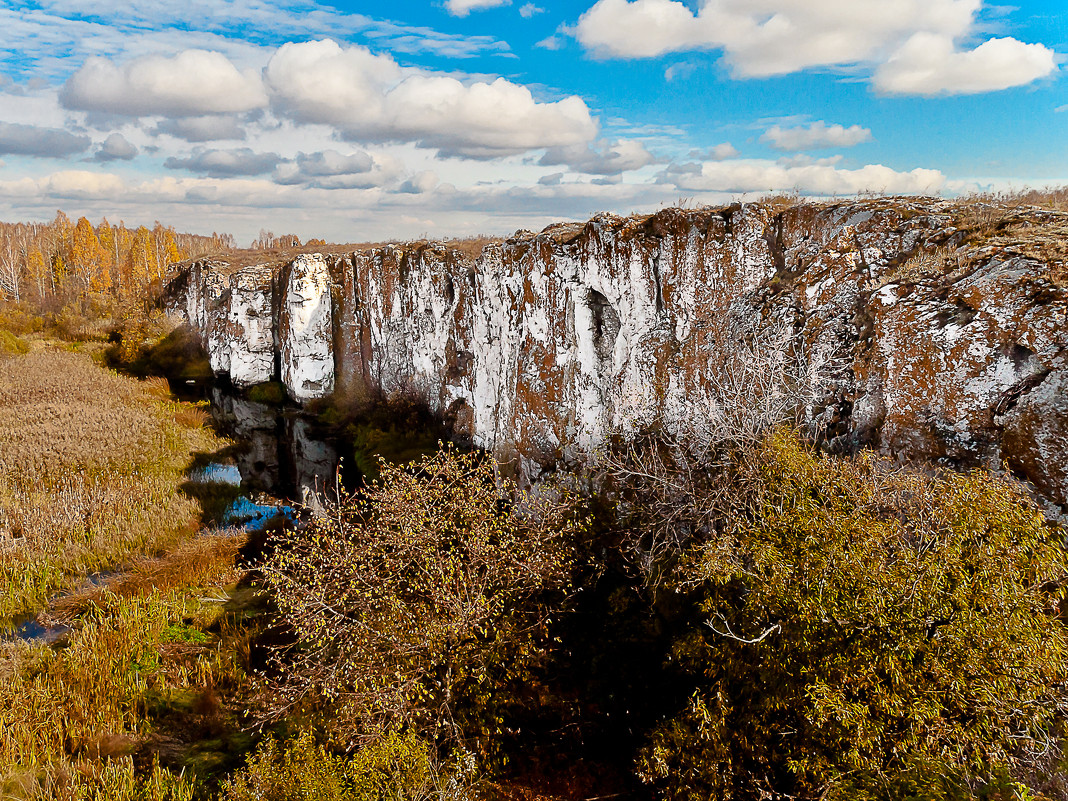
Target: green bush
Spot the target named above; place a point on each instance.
(11, 345)
(394, 767)
(869, 633)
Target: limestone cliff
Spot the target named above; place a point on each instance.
(923, 328)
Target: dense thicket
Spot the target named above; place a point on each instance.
(802, 626)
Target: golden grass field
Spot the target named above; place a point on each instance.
(91, 469)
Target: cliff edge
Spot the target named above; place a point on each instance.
(926, 329)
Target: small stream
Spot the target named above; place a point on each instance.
(278, 464)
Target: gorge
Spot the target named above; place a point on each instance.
(923, 328)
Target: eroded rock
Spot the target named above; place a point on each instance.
(911, 331)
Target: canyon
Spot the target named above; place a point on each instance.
(925, 329)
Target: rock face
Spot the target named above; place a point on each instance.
(925, 329)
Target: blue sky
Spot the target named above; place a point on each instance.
(371, 120)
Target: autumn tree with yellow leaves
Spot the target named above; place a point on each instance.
(48, 264)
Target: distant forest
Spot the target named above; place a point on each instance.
(47, 264)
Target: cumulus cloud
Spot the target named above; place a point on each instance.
(330, 169)
(929, 64)
(602, 158)
(552, 179)
(461, 8)
(207, 128)
(33, 140)
(225, 163)
(528, 10)
(776, 37)
(115, 148)
(81, 184)
(420, 183)
(815, 136)
(193, 82)
(758, 175)
(370, 97)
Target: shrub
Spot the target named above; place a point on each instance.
(416, 600)
(272, 393)
(395, 767)
(11, 345)
(869, 633)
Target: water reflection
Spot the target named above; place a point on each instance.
(279, 452)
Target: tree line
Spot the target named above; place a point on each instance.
(49, 263)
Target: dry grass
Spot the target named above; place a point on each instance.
(90, 465)
(471, 247)
(68, 716)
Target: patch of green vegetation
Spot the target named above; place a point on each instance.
(398, 429)
(184, 633)
(11, 345)
(272, 393)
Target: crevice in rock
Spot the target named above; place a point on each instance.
(1012, 396)
(657, 286)
(606, 324)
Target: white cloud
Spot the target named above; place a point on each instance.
(330, 169)
(815, 136)
(115, 148)
(805, 160)
(551, 43)
(189, 83)
(208, 128)
(420, 183)
(758, 175)
(602, 158)
(330, 162)
(51, 38)
(929, 64)
(776, 37)
(528, 10)
(684, 69)
(461, 8)
(33, 140)
(81, 184)
(370, 97)
(720, 152)
(225, 163)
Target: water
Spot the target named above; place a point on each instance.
(280, 467)
(243, 512)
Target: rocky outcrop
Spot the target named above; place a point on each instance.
(921, 328)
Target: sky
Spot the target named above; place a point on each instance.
(366, 121)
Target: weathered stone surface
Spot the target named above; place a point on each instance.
(250, 326)
(920, 334)
(306, 329)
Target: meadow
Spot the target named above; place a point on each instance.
(92, 465)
